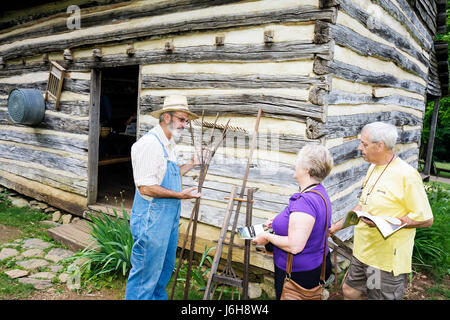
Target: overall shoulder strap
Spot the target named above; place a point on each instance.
(166, 155)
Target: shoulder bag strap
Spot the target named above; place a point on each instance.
(322, 274)
(290, 256)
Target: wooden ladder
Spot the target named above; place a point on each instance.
(227, 276)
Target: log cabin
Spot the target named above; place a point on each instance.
(320, 70)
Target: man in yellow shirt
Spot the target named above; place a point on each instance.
(380, 266)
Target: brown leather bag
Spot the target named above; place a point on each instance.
(294, 291)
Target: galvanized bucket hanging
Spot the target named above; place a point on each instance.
(26, 106)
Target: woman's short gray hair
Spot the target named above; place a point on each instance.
(381, 131)
(316, 159)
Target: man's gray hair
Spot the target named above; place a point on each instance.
(381, 131)
(161, 117)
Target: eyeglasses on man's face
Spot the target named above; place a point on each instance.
(181, 119)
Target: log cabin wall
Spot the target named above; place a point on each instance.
(320, 70)
(379, 72)
(47, 162)
(228, 56)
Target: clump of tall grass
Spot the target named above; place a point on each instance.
(111, 251)
(432, 245)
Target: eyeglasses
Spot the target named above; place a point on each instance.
(182, 120)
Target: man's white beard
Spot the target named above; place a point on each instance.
(176, 133)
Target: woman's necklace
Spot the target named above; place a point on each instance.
(373, 186)
(311, 185)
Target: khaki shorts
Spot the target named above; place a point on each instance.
(376, 283)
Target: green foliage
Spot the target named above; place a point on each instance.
(442, 138)
(441, 145)
(199, 279)
(112, 251)
(12, 289)
(200, 272)
(432, 245)
(26, 219)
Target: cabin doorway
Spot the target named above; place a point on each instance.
(118, 107)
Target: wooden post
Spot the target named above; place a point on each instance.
(94, 132)
(429, 157)
(248, 222)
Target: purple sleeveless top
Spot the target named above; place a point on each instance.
(312, 204)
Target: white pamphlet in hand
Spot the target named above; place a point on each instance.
(386, 225)
(252, 232)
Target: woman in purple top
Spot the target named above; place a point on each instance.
(299, 228)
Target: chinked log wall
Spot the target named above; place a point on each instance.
(380, 71)
(49, 161)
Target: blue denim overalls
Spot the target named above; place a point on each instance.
(154, 226)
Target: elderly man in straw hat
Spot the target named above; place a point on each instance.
(156, 208)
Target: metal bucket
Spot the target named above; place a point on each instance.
(26, 106)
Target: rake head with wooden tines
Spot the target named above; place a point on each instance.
(207, 124)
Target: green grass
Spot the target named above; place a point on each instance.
(27, 220)
(439, 291)
(443, 165)
(12, 289)
(432, 245)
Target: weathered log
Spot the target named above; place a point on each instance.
(351, 125)
(15, 151)
(281, 51)
(54, 122)
(67, 201)
(337, 182)
(317, 95)
(380, 29)
(103, 16)
(408, 18)
(97, 54)
(72, 125)
(301, 14)
(18, 69)
(272, 141)
(349, 149)
(74, 108)
(314, 129)
(357, 74)
(72, 85)
(281, 107)
(74, 184)
(59, 142)
(345, 151)
(341, 97)
(364, 46)
(203, 80)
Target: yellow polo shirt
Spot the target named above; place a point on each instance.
(398, 192)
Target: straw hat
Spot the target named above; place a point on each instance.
(175, 103)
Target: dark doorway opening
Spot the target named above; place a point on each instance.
(118, 114)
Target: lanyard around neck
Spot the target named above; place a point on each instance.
(373, 186)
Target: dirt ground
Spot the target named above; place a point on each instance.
(60, 292)
(9, 233)
(415, 291)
